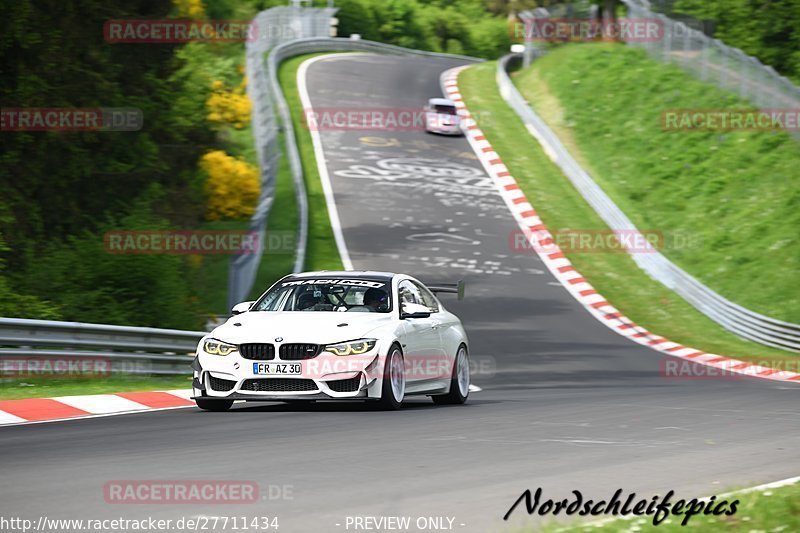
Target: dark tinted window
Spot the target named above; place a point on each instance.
(356, 294)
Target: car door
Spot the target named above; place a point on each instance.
(421, 337)
(440, 364)
(422, 345)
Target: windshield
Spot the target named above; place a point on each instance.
(338, 295)
(445, 109)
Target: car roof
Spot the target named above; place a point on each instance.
(441, 101)
(350, 274)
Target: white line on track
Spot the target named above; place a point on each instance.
(319, 155)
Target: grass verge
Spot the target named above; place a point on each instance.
(321, 251)
(772, 510)
(277, 260)
(40, 387)
(614, 275)
(734, 195)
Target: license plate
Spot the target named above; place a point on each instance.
(277, 369)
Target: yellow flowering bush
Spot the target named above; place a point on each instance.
(229, 106)
(190, 8)
(231, 186)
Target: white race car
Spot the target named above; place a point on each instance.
(441, 116)
(336, 336)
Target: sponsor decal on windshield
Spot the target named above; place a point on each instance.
(351, 282)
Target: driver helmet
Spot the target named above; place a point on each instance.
(377, 298)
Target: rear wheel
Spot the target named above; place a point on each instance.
(459, 381)
(213, 405)
(394, 380)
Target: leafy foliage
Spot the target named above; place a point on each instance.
(232, 186)
(229, 106)
(766, 29)
(465, 27)
(61, 191)
(92, 285)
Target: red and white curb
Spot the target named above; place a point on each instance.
(553, 257)
(33, 410)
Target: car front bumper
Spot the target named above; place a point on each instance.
(325, 377)
(444, 130)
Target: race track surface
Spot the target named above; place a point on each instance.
(566, 403)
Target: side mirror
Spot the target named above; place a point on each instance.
(414, 311)
(240, 308)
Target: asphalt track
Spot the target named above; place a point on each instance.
(566, 403)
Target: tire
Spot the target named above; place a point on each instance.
(213, 405)
(459, 381)
(394, 385)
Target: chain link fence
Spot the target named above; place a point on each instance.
(713, 61)
(683, 43)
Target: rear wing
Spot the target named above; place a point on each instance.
(454, 288)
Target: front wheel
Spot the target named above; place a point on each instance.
(459, 381)
(213, 405)
(394, 380)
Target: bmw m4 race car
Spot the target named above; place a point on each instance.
(336, 336)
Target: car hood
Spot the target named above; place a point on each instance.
(313, 327)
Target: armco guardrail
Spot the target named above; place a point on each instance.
(126, 349)
(743, 322)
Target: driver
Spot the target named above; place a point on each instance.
(306, 301)
(376, 299)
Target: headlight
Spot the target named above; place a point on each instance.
(351, 347)
(215, 347)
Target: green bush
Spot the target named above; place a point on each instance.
(90, 284)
